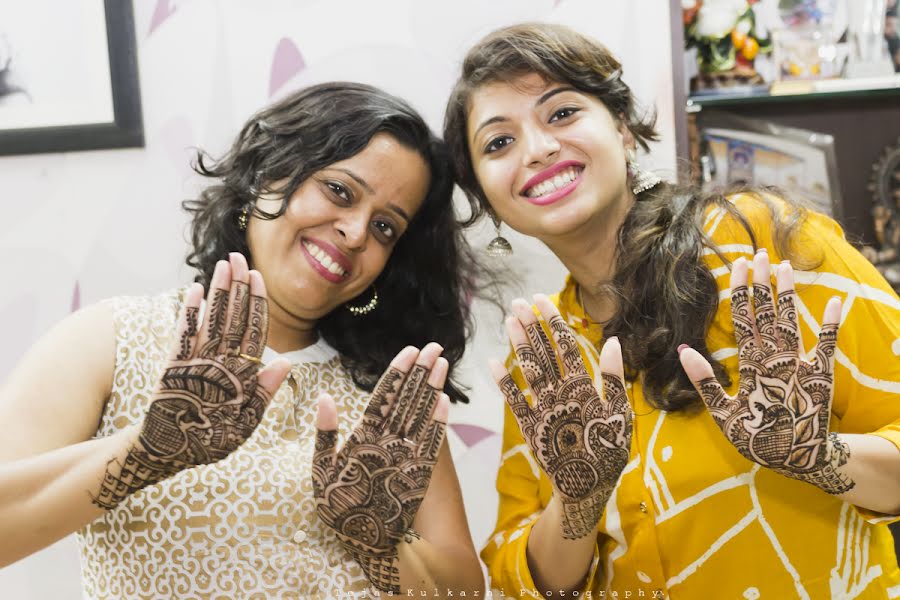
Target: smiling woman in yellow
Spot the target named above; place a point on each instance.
(779, 485)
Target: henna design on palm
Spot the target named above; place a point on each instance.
(780, 416)
(581, 441)
(207, 402)
(369, 491)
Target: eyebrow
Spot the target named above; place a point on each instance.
(399, 211)
(368, 188)
(541, 100)
(356, 178)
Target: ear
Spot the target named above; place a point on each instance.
(628, 142)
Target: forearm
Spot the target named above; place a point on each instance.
(874, 468)
(441, 572)
(558, 564)
(43, 498)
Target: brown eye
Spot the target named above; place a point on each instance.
(498, 143)
(563, 113)
(385, 230)
(340, 191)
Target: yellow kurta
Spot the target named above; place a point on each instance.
(690, 517)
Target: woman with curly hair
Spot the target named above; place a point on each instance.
(735, 452)
(194, 447)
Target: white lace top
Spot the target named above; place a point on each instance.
(245, 527)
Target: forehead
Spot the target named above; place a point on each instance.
(394, 171)
(490, 96)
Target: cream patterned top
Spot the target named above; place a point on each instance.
(242, 528)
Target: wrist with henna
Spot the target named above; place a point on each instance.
(382, 570)
(827, 476)
(139, 470)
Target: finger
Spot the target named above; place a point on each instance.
(186, 331)
(430, 445)
(528, 361)
(540, 343)
(385, 392)
(413, 389)
(259, 391)
(763, 304)
(827, 344)
(788, 329)
(326, 427)
(326, 442)
(238, 299)
(741, 315)
(701, 374)
(611, 359)
(216, 305)
(256, 332)
(421, 414)
(270, 378)
(514, 397)
(613, 375)
(566, 347)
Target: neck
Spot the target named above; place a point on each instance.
(288, 332)
(589, 254)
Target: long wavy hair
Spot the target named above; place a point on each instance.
(664, 294)
(423, 287)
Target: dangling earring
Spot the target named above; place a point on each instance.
(641, 180)
(244, 218)
(365, 309)
(499, 246)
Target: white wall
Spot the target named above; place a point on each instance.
(81, 226)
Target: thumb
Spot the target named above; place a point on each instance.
(271, 377)
(326, 428)
(612, 370)
(700, 372)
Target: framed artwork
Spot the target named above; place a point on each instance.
(761, 153)
(68, 76)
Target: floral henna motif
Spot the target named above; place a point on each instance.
(581, 441)
(369, 491)
(780, 415)
(207, 402)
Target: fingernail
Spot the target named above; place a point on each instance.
(786, 262)
(762, 251)
(614, 338)
(681, 348)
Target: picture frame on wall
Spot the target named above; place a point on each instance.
(68, 77)
(756, 152)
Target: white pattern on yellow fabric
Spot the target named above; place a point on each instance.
(689, 512)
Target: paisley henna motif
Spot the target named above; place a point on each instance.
(207, 402)
(370, 490)
(581, 441)
(779, 417)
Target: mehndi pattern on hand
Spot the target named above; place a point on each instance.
(780, 416)
(208, 401)
(369, 491)
(581, 440)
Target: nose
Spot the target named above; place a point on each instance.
(353, 227)
(541, 146)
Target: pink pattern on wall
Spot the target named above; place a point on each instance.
(163, 11)
(76, 297)
(470, 434)
(286, 63)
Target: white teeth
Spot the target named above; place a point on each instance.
(324, 259)
(554, 183)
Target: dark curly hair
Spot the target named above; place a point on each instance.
(424, 285)
(663, 292)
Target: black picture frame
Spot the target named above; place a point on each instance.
(126, 130)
